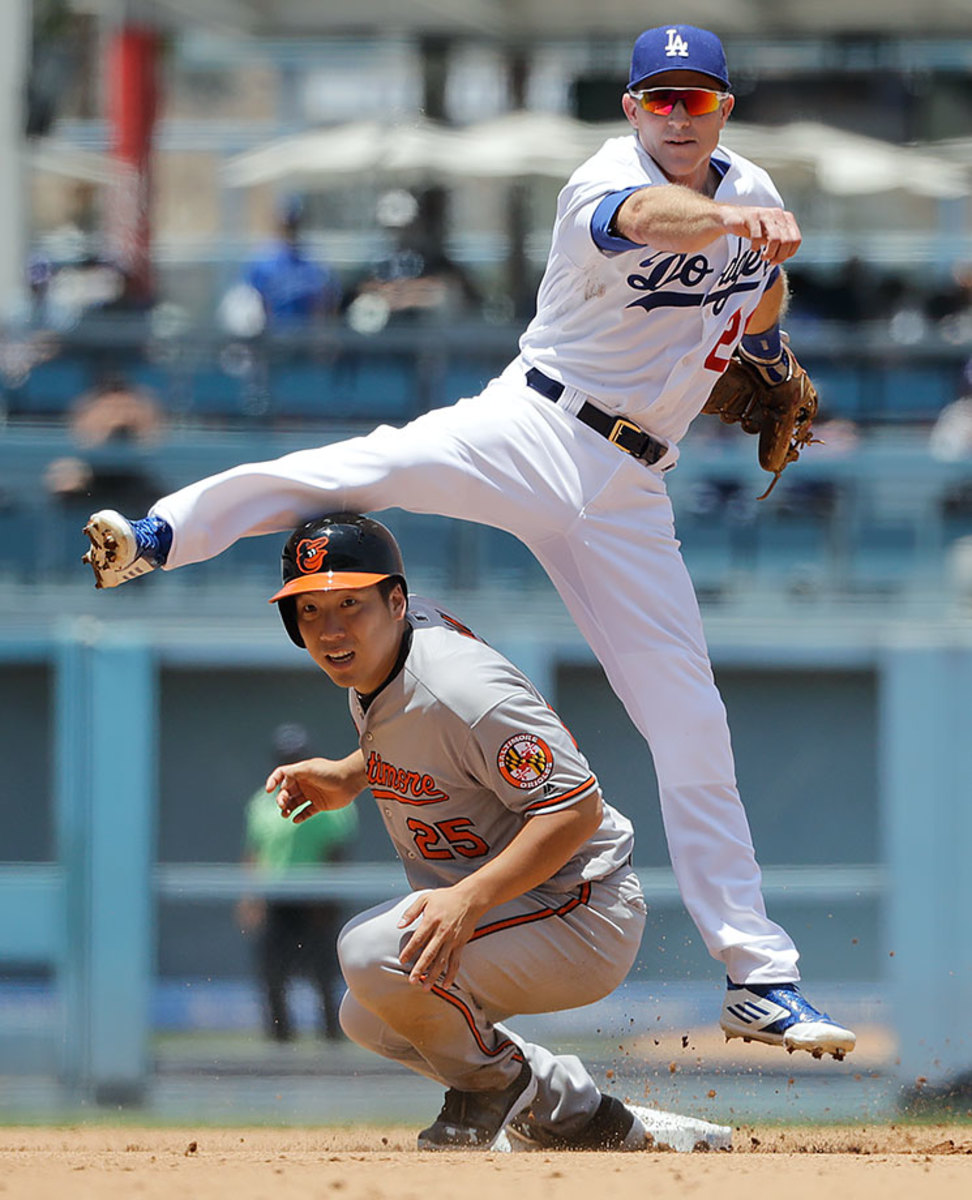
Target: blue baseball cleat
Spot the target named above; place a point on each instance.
(122, 549)
(776, 1013)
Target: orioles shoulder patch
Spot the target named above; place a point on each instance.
(525, 760)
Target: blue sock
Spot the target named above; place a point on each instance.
(153, 537)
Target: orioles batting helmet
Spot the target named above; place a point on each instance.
(339, 550)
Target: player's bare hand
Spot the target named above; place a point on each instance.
(316, 785)
(434, 950)
(772, 231)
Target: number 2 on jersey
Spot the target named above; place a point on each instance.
(714, 362)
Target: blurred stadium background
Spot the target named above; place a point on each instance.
(149, 148)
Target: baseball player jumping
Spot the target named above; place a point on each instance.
(523, 895)
(665, 264)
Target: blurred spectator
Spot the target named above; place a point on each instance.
(417, 279)
(295, 937)
(77, 486)
(407, 284)
(116, 410)
(835, 435)
(951, 435)
(66, 292)
(67, 477)
(851, 293)
(854, 293)
(950, 307)
(293, 288)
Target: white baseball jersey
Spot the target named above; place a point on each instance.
(461, 750)
(645, 333)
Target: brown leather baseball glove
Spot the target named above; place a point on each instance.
(782, 413)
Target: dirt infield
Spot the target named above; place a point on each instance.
(101, 1163)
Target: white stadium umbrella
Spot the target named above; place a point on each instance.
(548, 144)
(849, 164)
(334, 156)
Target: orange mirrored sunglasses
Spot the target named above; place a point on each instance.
(661, 101)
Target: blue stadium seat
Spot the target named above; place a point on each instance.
(214, 392)
(913, 393)
(353, 386)
(51, 387)
(503, 559)
(840, 390)
(467, 378)
(19, 541)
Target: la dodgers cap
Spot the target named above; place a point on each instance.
(678, 48)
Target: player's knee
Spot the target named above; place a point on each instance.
(358, 1024)
(354, 952)
(367, 950)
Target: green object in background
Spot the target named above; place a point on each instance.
(277, 844)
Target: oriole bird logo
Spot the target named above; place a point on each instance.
(311, 553)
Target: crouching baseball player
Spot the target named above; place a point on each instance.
(523, 898)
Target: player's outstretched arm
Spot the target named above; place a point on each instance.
(317, 784)
(681, 220)
(449, 915)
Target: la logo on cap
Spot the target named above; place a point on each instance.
(676, 46)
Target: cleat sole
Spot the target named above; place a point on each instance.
(108, 548)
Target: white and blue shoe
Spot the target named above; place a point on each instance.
(122, 549)
(777, 1013)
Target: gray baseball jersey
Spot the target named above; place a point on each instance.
(461, 750)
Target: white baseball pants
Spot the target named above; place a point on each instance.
(601, 524)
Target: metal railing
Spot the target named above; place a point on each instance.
(867, 372)
(369, 882)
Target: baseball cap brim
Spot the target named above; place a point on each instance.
(327, 581)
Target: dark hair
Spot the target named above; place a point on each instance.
(387, 585)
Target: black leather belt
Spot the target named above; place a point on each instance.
(627, 436)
